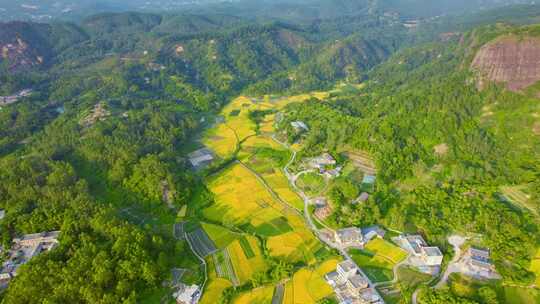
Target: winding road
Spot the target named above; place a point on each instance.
(330, 243)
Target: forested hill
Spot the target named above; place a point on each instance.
(451, 140)
(219, 53)
(98, 149)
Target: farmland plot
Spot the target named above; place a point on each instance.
(201, 243)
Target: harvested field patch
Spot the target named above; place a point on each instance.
(223, 266)
(201, 243)
(363, 161)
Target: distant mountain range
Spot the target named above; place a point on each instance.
(45, 11)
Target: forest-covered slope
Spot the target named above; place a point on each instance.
(99, 148)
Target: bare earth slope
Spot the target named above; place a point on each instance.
(511, 60)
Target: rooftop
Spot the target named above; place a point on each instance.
(368, 179)
(347, 265)
(299, 125)
(350, 234)
(358, 281)
(432, 251)
(479, 252)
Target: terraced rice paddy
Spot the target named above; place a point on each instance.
(517, 196)
(255, 197)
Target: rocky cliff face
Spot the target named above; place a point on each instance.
(19, 55)
(510, 60)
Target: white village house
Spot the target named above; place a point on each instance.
(187, 294)
(427, 259)
(200, 157)
(350, 285)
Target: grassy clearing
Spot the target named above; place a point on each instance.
(220, 235)
(387, 250)
(377, 268)
(412, 278)
(379, 259)
(535, 267)
(313, 184)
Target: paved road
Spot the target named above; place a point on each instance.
(456, 241)
(395, 271)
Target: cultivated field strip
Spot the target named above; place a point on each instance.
(224, 268)
(201, 243)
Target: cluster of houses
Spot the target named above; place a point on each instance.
(7, 100)
(425, 258)
(24, 249)
(477, 263)
(325, 164)
(351, 285)
(187, 294)
(354, 237)
(201, 158)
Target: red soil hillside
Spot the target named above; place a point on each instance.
(511, 60)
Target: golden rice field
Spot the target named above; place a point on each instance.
(256, 296)
(309, 286)
(245, 267)
(222, 140)
(214, 287)
(241, 199)
(300, 244)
